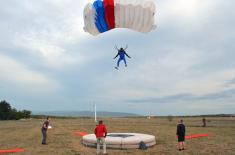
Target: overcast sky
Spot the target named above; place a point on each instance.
(184, 67)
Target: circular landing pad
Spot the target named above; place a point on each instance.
(121, 140)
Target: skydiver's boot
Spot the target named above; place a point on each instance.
(116, 68)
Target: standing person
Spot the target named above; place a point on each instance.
(204, 122)
(101, 133)
(181, 135)
(121, 53)
(44, 131)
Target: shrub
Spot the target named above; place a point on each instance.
(9, 113)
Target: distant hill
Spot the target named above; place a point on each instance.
(86, 114)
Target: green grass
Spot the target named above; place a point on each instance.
(62, 141)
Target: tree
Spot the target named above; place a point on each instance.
(5, 109)
(26, 113)
(4, 106)
(9, 113)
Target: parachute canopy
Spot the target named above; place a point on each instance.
(102, 16)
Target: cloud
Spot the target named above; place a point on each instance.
(16, 76)
(188, 61)
(186, 104)
(51, 55)
(167, 73)
(230, 83)
(44, 30)
(223, 95)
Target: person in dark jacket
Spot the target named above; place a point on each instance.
(44, 131)
(181, 135)
(101, 133)
(204, 122)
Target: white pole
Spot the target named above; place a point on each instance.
(95, 112)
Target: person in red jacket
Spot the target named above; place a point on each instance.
(101, 133)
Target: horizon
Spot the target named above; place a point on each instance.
(132, 113)
(184, 67)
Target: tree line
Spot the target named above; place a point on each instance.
(9, 113)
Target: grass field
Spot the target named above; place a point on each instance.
(62, 140)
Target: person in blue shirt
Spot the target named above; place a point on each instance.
(121, 53)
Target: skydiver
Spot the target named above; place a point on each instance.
(121, 53)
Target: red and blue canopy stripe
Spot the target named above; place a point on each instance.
(105, 18)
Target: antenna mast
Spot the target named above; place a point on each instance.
(95, 112)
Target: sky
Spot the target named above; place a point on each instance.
(184, 67)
